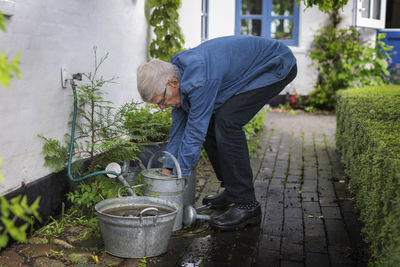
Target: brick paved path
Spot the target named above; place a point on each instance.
(308, 217)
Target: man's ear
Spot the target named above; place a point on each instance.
(174, 82)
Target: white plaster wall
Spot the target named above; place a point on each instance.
(221, 18)
(190, 21)
(222, 23)
(50, 34)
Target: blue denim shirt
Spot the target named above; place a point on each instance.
(209, 75)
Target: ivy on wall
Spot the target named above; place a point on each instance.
(164, 17)
(324, 5)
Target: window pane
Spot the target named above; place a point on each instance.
(251, 7)
(365, 8)
(282, 29)
(376, 11)
(282, 7)
(251, 27)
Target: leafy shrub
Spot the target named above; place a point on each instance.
(344, 61)
(368, 135)
(144, 125)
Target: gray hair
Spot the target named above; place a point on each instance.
(153, 76)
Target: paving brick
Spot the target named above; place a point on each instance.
(309, 186)
(272, 228)
(293, 213)
(279, 173)
(291, 252)
(291, 191)
(337, 234)
(326, 190)
(261, 189)
(293, 231)
(267, 258)
(315, 244)
(311, 208)
(265, 173)
(291, 264)
(293, 178)
(313, 227)
(276, 183)
(295, 169)
(309, 196)
(316, 259)
(275, 194)
(310, 173)
(347, 206)
(328, 201)
(274, 212)
(270, 243)
(340, 257)
(331, 212)
(293, 202)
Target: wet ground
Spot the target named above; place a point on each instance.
(308, 216)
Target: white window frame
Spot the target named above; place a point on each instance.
(369, 22)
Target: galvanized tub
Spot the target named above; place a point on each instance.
(136, 236)
(168, 187)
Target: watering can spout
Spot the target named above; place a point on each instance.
(116, 168)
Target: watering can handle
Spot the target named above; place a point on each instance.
(178, 168)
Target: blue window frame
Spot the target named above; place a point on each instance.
(204, 20)
(276, 19)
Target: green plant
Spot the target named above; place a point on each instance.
(368, 136)
(8, 69)
(165, 20)
(99, 134)
(11, 211)
(324, 5)
(145, 125)
(344, 61)
(143, 262)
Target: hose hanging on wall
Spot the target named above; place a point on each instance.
(71, 147)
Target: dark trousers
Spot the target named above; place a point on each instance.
(226, 144)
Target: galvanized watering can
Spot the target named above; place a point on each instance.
(167, 187)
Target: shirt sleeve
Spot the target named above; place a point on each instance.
(179, 118)
(202, 101)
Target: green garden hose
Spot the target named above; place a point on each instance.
(71, 147)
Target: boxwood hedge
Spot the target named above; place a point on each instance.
(368, 136)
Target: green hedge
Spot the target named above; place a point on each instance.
(368, 136)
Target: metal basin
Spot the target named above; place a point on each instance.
(136, 236)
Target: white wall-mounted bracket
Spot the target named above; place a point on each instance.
(65, 76)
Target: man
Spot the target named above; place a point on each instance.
(215, 89)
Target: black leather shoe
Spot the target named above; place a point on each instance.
(217, 201)
(236, 218)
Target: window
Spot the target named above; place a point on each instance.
(392, 14)
(277, 19)
(204, 20)
(370, 13)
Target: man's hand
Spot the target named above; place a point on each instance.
(166, 171)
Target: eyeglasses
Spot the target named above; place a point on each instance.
(162, 101)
